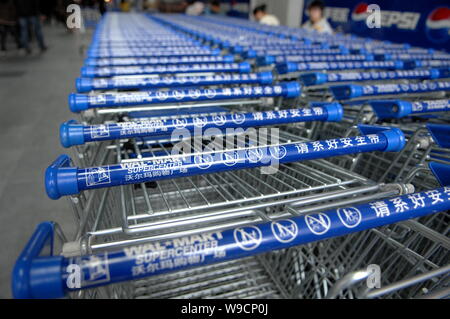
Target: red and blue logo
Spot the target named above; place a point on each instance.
(437, 25)
(360, 12)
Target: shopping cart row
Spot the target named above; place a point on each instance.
(211, 175)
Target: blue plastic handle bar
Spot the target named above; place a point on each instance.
(127, 83)
(270, 59)
(158, 60)
(324, 58)
(344, 92)
(288, 67)
(157, 258)
(388, 109)
(243, 67)
(153, 53)
(317, 78)
(76, 134)
(73, 179)
(80, 102)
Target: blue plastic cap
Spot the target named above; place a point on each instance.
(399, 65)
(78, 102)
(291, 89)
(430, 51)
(370, 57)
(388, 109)
(441, 172)
(60, 178)
(71, 133)
(244, 67)
(287, 67)
(335, 112)
(314, 78)
(265, 60)
(265, 77)
(348, 91)
(215, 51)
(250, 54)
(434, 73)
(35, 276)
(84, 84)
(228, 58)
(90, 62)
(344, 50)
(395, 138)
(440, 134)
(88, 71)
(237, 49)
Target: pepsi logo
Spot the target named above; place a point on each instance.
(360, 12)
(437, 25)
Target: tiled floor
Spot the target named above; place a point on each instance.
(33, 102)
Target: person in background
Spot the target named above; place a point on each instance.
(7, 24)
(214, 8)
(317, 20)
(28, 12)
(101, 6)
(263, 17)
(195, 8)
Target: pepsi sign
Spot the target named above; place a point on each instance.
(419, 23)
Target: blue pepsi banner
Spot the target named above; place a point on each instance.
(424, 23)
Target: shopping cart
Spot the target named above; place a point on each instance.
(413, 257)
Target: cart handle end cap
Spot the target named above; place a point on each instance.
(441, 172)
(265, 60)
(335, 112)
(71, 133)
(265, 77)
(78, 102)
(60, 178)
(244, 67)
(395, 137)
(87, 71)
(250, 54)
(386, 109)
(287, 67)
(34, 276)
(228, 58)
(291, 89)
(84, 85)
(314, 78)
(343, 92)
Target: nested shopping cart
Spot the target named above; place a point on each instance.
(182, 188)
(244, 261)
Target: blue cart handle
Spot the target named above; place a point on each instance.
(388, 109)
(72, 133)
(61, 181)
(317, 78)
(139, 83)
(34, 274)
(82, 102)
(288, 67)
(243, 67)
(157, 258)
(157, 60)
(345, 92)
